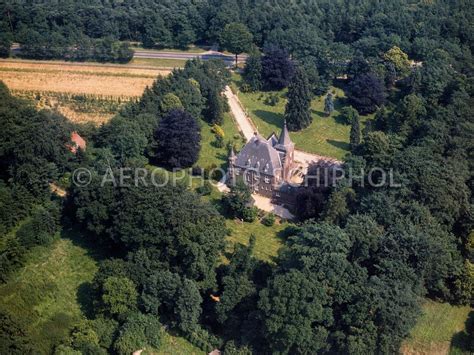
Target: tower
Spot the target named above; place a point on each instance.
(231, 168)
(286, 149)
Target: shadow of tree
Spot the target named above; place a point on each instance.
(463, 340)
(319, 113)
(341, 102)
(85, 298)
(84, 293)
(275, 119)
(340, 119)
(339, 144)
(95, 251)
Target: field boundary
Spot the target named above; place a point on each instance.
(86, 64)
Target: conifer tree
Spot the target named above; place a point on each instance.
(355, 132)
(297, 111)
(328, 104)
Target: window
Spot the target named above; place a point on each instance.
(237, 171)
(267, 180)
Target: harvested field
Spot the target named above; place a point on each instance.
(83, 92)
(77, 79)
(92, 68)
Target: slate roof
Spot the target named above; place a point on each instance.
(260, 155)
(284, 142)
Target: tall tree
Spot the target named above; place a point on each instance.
(5, 44)
(297, 111)
(277, 68)
(236, 38)
(328, 104)
(366, 93)
(355, 132)
(399, 59)
(253, 71)
(178, 140)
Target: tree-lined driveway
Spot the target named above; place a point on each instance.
(248, 128)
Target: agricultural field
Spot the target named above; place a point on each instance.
(327, 136)
(83, 92)
(440, 330)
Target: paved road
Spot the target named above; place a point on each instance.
(248, 128)
(185, 56)
(175, 55)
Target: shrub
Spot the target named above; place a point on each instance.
(219, 142)
(272, 100)
(197, 170)
(202, 339)
(212, 172)
(250, 214)
(217, 130)
(205, 189)
(268, 220)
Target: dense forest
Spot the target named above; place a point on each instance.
(354, 269)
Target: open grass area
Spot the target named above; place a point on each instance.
(269, 239)
(46, 292)
(439, 330)
(51, 292)
(326, 136)
(176, 345)
(158, 62)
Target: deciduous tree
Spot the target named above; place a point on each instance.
(236, 38)
(366, 93)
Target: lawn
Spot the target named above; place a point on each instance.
(326, 136)
(439, 330)
(210, 154)
(269, 239)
